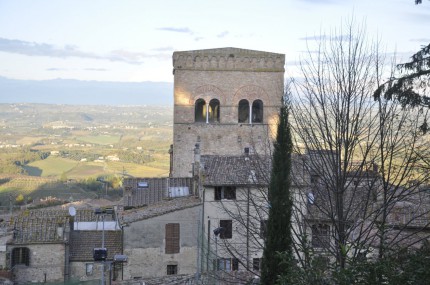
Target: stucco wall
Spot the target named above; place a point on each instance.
(144, 244)
(246, 242)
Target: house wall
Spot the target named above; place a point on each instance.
(78, 271)
(3, 241)
(228, 75)
(46, 263)
(144, 244)
(246, 213)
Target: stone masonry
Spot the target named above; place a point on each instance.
(228, 75)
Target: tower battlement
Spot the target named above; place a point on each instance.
(228, 59)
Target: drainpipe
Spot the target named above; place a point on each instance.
(247, 232)
(66, 237)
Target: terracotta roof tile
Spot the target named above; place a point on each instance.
(235, 170)
(82, 244)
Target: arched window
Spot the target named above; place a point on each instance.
(200, 111)
(243, 111)
(214, 111)
(20, 256)
(257, 111)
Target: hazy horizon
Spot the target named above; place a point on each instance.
(85, 92)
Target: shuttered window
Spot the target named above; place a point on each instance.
(227, 231)
(21, 256)
(172, 238)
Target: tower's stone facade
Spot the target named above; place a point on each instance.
(225, 100)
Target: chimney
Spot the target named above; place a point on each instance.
(197, 153)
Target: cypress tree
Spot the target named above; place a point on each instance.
(279, 237)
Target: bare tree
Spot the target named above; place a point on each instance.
(360, 164)
(362, 158)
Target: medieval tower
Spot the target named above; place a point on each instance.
(226, 102)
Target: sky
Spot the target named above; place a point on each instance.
(133, 40)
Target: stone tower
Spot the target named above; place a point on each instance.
(226, 101)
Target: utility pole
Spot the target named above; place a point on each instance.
(10, 205)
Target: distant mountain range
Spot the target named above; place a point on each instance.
(76, 92)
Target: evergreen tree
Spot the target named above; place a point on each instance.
(278, 243)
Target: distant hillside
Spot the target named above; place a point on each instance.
(75, 92)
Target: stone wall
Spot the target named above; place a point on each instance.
(227, 75)
(3, 240)
(144, 244)
(46, 263)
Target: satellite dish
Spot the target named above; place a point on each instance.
(72, 211)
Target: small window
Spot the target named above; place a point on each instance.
(225, 192)
(89, 268)
(315, 179)
(20, 256)
(263, 229)
(256, 264)
(227, 225)
(214, 111)
(200, 111)
(257, 111)
(320, 236)
(172, 238)
(172, 269)
(243, 111)
(228, 264)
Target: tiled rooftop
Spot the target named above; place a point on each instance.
(44, 226)
(235, 170)
(82, 244)
(161, 208)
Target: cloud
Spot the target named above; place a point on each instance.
(293, 63)
(198, 39)
(423, 40)
(223, 34)
(326, 37)
(323, 2)
(43, 49)
(176, 30)
(168, 48)
(55, 69)
(95, 69)
(136, 57)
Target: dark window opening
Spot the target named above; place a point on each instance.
(200, 111)
(320, 236)
(256, 264)
(263, 229)
(172, 238)
(314, 179)
(228, 264)
(257, 111)
(214, 111)
(172, 269)
(21, 256)
(225, 192)
(227, 225)
(243, 111)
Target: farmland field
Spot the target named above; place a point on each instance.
(100, 139)
(52, 166)
(47, 150)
